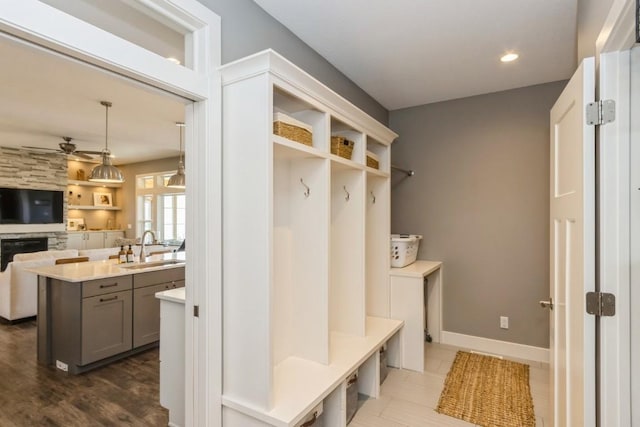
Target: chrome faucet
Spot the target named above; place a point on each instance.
(143, 256)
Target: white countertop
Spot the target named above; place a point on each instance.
(174, 295)
(417, 269)
(94, 231)
(82, 271)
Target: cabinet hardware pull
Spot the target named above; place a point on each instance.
(311, 421)
(109, 299)
(352, 380)
(373, 198)
(109, 286)
(348, 196)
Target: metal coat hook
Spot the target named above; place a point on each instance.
(307, 191)
(348, 196)
(373, 198)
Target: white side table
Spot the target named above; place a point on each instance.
(407, 303)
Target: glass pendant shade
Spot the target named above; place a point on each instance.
(106, 172)
(178, 180)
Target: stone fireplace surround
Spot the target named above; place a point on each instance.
(20, 168)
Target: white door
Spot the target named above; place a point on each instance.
(572, 269)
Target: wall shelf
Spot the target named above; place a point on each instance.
(94, 208)
(93, 184)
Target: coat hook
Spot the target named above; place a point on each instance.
(307, 191)
(373, 198)
(348, 196)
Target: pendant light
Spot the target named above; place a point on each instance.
(106, 172)
(178, 179)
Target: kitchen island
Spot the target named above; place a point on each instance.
(92, 313)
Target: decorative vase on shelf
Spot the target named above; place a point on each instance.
(80, 175)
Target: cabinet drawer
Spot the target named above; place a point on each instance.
(157, 277)
(106, 286)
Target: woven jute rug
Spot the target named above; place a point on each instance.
(488, 391)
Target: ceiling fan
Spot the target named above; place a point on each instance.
(68, 148)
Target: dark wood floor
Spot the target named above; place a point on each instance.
(125, 393)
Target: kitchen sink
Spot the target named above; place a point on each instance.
(150, 264)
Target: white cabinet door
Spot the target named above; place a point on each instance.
(94, 241)
(110, 238)
(75, 241)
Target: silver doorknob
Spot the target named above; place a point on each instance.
(547, 304)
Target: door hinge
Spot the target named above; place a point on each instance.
(196, 311)
(601, 304)
(601, 112)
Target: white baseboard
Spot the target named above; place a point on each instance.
(487, 345)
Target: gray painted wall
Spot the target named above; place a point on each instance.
(247, 29)
(591, 16)
(480, 197)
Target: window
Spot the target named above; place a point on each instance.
(160, 209)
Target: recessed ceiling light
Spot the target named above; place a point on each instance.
(509, 57)
(174, 60)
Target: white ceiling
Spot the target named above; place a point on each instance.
(413, 52)
(46, 96)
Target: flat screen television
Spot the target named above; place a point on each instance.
(21, 206)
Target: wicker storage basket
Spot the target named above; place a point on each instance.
(372, 160)
(290, 128)
(341, 146)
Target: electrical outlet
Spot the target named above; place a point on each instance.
(62, 366)
(504, 322)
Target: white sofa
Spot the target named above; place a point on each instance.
(19, 288)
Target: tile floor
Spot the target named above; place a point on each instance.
(408, 399)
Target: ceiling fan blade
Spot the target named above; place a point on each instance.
(88, 152)
(41, 148)
(81, 154)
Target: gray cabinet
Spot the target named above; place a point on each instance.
(106, 325)
(93, 322)
(89, 321)
(146, 307)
